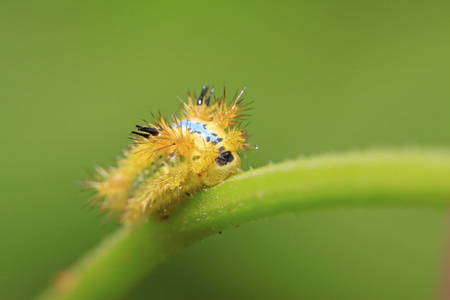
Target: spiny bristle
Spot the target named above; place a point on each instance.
(150, 130)
(101, 171)
(209, 96)
(202, 94)
(89, 184)
(240, 94)
(189, 96)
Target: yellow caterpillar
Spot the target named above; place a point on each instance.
(167, 162)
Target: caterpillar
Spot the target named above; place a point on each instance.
(169, 161)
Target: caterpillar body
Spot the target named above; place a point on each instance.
(169, 161)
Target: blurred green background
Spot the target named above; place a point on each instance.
(76, 76)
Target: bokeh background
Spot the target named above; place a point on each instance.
(325, 76)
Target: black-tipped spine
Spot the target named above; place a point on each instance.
(151, 130)
(145, 135)
(202, 95)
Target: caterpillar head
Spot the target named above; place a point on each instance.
(225, 163)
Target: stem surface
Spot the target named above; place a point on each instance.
(380, 178)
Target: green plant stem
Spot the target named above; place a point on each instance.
(382, 177)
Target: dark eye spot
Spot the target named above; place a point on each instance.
(224, 158)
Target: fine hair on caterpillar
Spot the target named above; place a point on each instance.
(168, 161)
